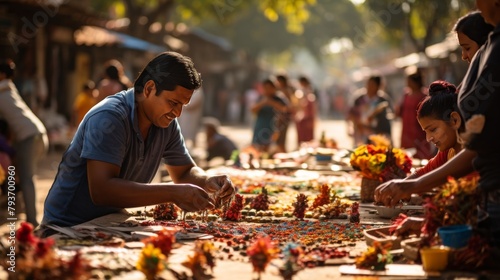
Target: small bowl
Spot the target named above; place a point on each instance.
(410, 248)
(323, 158)
(455, 236)
(434, 258)
(388, 212)
(383, 236)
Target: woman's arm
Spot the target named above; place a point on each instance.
(390, 193)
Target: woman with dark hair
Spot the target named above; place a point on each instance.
(472, 32)
(114, 80)
(440, 120)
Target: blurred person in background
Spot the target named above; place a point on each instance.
(218, 145)
(84, 101)
(29, 137)
(114, 80)
(412, 135)
(306, 111)
(267, 108)
(283, 122)
(371, 112)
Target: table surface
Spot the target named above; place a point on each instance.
(240, 268)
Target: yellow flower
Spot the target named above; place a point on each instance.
(371, 159)
(380, 140)
(151, 261)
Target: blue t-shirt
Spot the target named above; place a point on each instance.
(110, 133)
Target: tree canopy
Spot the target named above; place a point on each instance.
(423, 22)
(277, 25)
(256, 25)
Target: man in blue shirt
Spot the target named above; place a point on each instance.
(120, 143)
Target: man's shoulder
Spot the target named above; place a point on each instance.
(115, 105)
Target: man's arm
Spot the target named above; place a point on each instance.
(190, 173)
(107, 189)
(257, 106)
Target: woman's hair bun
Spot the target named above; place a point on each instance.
(442, 87)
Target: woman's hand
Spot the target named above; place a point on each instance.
(392, 192)
(222, 187)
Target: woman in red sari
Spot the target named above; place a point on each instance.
(305, 116)
(412, 136)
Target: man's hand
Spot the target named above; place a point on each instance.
(221, 187)
(192, 198)
(391, 192)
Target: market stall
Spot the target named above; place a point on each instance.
(303, 221)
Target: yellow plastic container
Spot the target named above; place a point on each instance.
(434, 258)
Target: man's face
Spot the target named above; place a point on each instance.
(371, 88)
(269, 90)
(488, 10)
(162, 109)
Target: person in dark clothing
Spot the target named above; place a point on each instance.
(218, 145)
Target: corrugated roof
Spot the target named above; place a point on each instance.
(96, 36)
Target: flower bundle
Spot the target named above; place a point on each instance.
(151, 261)
(36, 258)
(454, 204)
(380, 162)
(376, 257)
(261, 252)
(202, 259)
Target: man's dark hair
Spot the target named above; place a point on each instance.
(376, 79)
(169, 70)
(305, 80)
(417, 78)
(7, 67)
(269, 82)
(282, 78)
